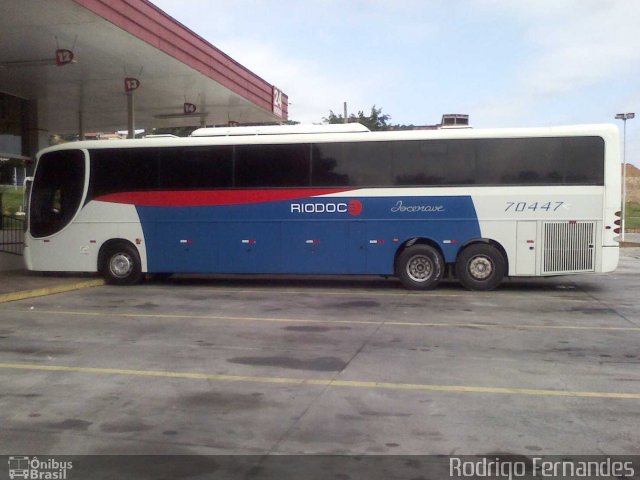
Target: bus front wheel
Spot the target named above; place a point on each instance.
(480, 267)
(121, 265)
(420, 267)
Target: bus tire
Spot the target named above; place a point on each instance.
(480, 267)
(420, 267)
(121, 264)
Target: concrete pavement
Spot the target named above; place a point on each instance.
(338, 366)
(16, 283)
(21, 284)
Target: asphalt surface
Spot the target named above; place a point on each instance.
(347, 366)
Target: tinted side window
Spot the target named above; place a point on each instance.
(585, 160)
(123, 170)
(437, 162)
(196, 167)
(271, 166)
(520, 161)
(355, 164)
(541, 161)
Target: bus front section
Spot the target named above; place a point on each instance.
(56, 197)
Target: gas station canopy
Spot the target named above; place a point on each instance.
(75, 59)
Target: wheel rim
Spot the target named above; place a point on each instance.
(121, 265)
(480, 267)
(420, 268)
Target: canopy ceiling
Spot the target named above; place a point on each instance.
(114, 39)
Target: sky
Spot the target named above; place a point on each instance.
(505, 63)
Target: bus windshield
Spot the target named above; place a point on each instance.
(56, 192)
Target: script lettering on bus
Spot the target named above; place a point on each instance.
(400, 207)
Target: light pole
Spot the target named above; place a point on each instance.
(624, 117)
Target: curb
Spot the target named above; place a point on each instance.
(41, 292)
(629, 244)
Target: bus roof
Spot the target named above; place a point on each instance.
(279, 130)
(607, 131)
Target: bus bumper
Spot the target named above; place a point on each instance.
(28, 260)
(610, 257)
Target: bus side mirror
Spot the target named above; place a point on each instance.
(28, 182)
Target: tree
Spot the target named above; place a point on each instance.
(177, 131)
(376, 120)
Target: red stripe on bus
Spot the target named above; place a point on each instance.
(195, 198)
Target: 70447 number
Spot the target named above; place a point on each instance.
(533, 206)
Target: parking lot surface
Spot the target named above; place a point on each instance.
(211, 365)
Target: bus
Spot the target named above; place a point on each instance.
(478, 205)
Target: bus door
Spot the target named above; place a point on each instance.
(315, 247)
(526, 249)
(182, 247)
(358, 247)
(249, 247)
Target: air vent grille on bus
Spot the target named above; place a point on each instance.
(569, 247)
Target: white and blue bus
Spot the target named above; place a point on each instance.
(479, 205)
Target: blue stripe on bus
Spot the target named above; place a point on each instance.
(311, 236)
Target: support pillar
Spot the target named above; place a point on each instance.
(81, 135)
(131, 118)
(81, 132)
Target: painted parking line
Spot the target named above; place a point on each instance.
(41, 292)
(568, 294)
(417, 387)
(394, 323)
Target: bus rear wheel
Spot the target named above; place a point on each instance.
(121, 265)
(480, 267)
(420, 267)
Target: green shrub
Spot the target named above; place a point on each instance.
(11, 200)
(632, 215)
